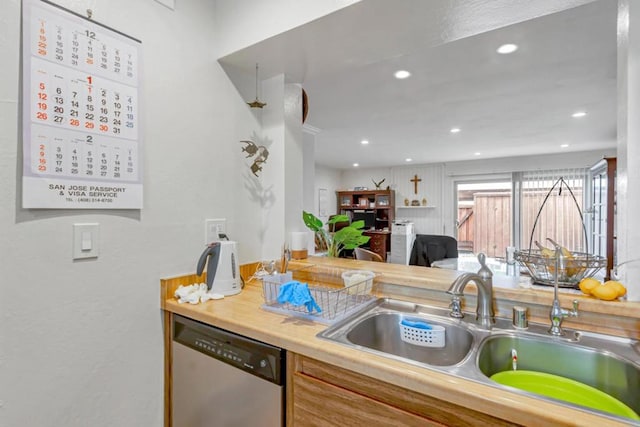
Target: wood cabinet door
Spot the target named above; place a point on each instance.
(319, 394)
(321, 404)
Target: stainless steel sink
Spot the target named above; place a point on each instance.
(473, 352)
(377, 329)
(380, 331)
(600, 368)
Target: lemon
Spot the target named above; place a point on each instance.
(618, 286)
(588, 284)
(606, 293)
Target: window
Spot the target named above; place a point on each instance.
(494, 214)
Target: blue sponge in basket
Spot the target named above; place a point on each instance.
(416, 324)
(296, 293)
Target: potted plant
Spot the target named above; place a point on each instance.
(349, 237)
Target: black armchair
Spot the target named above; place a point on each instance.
(428, 248)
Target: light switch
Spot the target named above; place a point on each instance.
(85, 240)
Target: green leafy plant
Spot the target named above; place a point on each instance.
(349, 237)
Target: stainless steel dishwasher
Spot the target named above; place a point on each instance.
(223, 379)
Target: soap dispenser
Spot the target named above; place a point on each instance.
(485, 273)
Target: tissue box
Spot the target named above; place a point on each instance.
(271, 285)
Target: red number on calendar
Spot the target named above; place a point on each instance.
(74, 122)
(89, 78)
(104, 128)
(41, 116)
(89, 125)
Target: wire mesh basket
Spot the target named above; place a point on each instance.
(567, 268)
(542, 268)
(334, 302)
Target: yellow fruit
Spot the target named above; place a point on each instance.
(572, 269)
(620, 289)
(588, 284)
(606, 293)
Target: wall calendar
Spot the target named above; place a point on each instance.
(82, 139)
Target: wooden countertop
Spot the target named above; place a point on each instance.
(242, 314)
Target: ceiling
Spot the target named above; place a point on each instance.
(504, 105)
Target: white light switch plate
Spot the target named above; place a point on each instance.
(86, 239)
(212, 229)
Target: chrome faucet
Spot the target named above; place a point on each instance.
(484, 308)
(557, 313)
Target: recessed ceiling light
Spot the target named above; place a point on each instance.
(408, 160)
(355, 165)
(364, 142)
(454, 130)
(578, 114)
(564, 145)
(507, 48)
(401, 74)
(477, 153)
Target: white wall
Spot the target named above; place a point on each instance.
(364, 177)
(269, 191)
(308, 171)
(81, 342)
(427, 220)
(329, 179)
(294, 190)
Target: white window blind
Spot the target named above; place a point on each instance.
(559, 217)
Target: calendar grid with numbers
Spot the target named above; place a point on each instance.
(82, 142)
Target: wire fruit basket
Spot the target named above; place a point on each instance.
(559, 265)
(542, 268)
(335, 303)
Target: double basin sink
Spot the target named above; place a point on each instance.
(608, 364)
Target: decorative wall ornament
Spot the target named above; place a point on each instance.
(259, 151)
(256, 103)
(378, 184)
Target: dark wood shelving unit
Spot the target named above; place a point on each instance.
(377, 208)
(380, 203)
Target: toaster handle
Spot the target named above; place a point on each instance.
(213, 254)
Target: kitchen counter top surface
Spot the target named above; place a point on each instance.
(243, 314)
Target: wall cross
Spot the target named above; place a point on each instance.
(415, 181)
